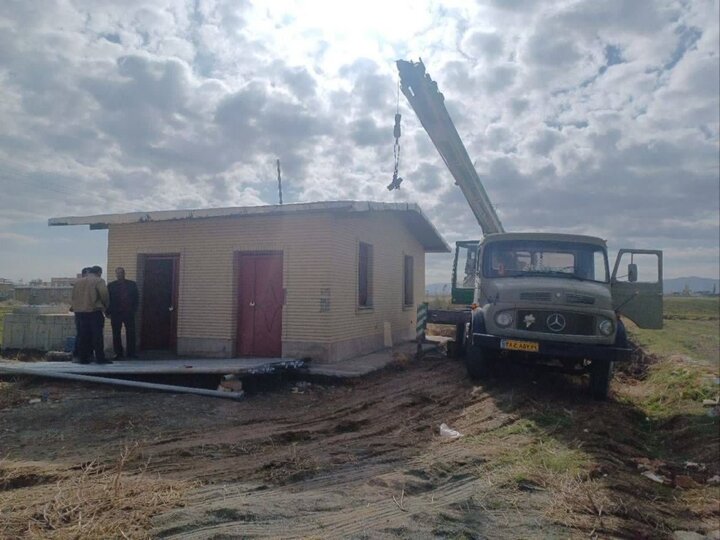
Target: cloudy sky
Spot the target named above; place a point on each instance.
(581, 116)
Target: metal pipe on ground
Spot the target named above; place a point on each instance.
(120, 382)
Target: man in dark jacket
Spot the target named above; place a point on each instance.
(123, 306)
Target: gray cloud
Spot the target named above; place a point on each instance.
(515, 5)
(643, 16)
(488, 45)
(365, 132)
(547, 48)
(544, 141)
(371, 89)
(300, 82)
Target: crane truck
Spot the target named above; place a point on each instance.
(536, 297)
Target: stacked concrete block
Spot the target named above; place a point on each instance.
(40, 328)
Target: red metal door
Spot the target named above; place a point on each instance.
(260, 301)
(159, 303)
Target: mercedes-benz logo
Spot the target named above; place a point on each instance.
(556, 322)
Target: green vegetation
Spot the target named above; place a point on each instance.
(528, 453)
(677, 387)
(690, 329)
(685, 372)
(543, 459)
(438, 301)
(702, 308)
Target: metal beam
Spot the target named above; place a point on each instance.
(120, 382)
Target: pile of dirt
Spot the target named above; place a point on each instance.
(638, 366)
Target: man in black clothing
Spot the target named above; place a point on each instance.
(123, 306)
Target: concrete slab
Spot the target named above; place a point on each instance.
(349, 368)
(185, 366)
(366, 364)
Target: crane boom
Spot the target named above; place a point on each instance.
(429, 106)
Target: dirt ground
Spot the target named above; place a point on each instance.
(365, 459)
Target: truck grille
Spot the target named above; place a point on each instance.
(536, 296)
(576, 324)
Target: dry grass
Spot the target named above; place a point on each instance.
(705, 502)
(94, 502)
(295, 466)
(12, 393)
(576, 499)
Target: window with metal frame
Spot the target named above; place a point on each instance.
(365, 275)
(408, 282)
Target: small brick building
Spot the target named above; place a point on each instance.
(326, 280)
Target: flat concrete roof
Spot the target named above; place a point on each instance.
(412, 215)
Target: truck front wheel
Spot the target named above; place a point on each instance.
(600, 375)
(601, 371)
(478, 362)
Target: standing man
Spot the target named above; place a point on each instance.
(76, 345)
(123, 306)
(90, 299)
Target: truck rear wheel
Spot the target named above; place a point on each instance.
(600, 375)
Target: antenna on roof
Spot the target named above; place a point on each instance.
(279, 181)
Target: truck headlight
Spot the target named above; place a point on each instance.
(605, 327)
(504, 319)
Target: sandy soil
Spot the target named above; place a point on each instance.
(364, 460)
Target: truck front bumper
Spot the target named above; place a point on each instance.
(556, 349)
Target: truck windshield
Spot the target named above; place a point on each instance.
(518, 258)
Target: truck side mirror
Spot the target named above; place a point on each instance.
(632, 272)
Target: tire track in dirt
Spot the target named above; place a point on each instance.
(312, 510)
(341, 425)
(395, 477)
(386, 472)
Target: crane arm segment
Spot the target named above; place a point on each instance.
(429, 106)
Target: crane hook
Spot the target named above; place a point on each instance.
(396, 180)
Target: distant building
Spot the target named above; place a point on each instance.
(43, 294)
(63, 281)
(36, 292)
(706, 293)
(7, 289)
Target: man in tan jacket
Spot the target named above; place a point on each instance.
(90, 299)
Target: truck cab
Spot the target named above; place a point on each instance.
(550, 298)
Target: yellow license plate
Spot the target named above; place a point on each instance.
(515, 345)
